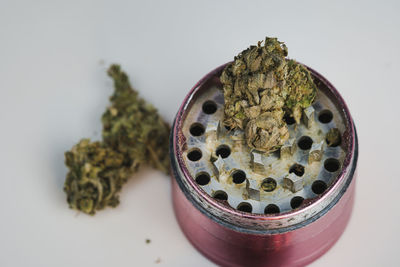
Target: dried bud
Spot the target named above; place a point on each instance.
(260, 86)
(96, 174)
(133, 134)
(133, 127)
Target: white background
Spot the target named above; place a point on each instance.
(53, 90)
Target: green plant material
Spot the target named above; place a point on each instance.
(301, 89)
(96, 174)
(133, 135)
(333, 137)
(133, 127)
(261, 86)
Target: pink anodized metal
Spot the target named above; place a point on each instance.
(233, 238)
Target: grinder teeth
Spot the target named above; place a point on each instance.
(293, 182)
(221, 167)
(252, 188)
(288, 148)
(308, 116)
(213, 130)
(316, 152)
(257, 163)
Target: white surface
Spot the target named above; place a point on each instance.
(54, 90)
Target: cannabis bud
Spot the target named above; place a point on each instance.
(133, 135)
(96, 174)
(133, 127)
(260, 87)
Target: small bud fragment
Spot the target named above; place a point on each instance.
(288, 149)
(257, 164)
(316, 152)
(333, 137)
(293, 182)
(308, 116)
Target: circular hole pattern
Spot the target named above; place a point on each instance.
(289, 119)
(197, 129)
(224, 151)
(238, 177)
(220, 195)
(268, 184)
(209, 107)
(271, 209)
(318, 187)
(297, 169)
(331, 165)
(194, 155)
(296, 202)
(202, 178)
(325, 116)
(245, 207)
(305, 143)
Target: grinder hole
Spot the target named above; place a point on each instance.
(297, 169)
(331, 165)
(220, 195)
(296, 202)
(268, 185)
(289, 119)
(202, 178)
(194, 155)
(238, 176)
(245, 207)
(318, 187)
(196, 129)
(325, 116)
(224, 151)
(209, 107)
(271, 209)
(305, 143)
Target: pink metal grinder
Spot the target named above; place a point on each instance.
(243, 208)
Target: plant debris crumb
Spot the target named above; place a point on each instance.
(333, 137)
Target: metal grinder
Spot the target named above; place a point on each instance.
(240, 207)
